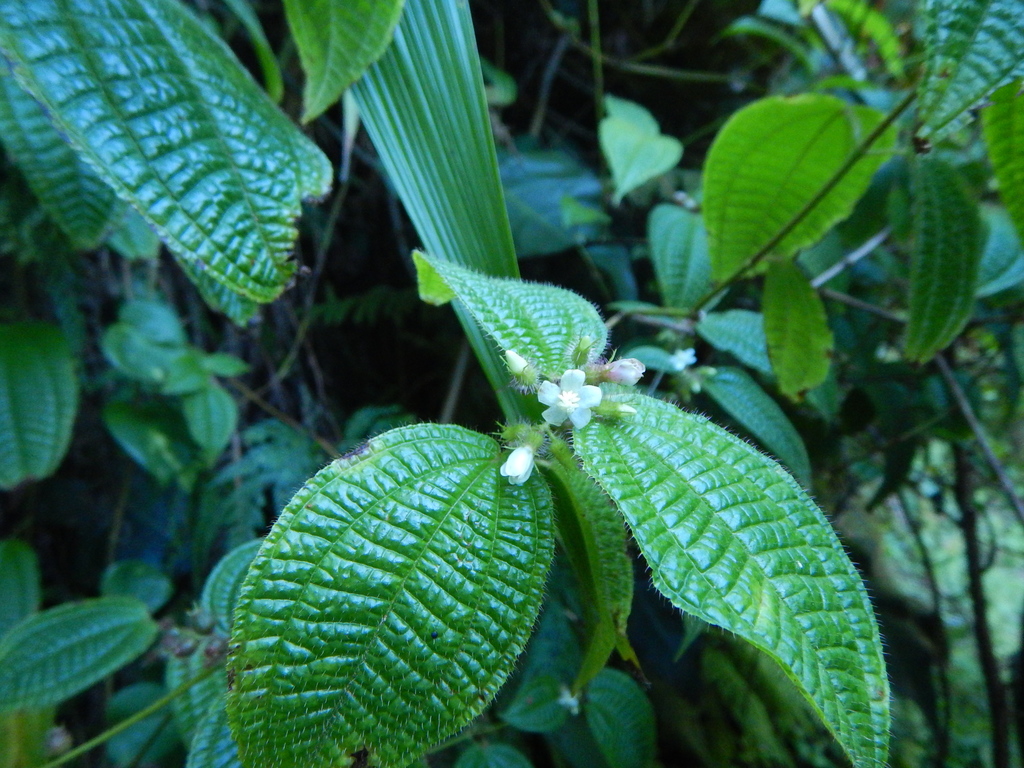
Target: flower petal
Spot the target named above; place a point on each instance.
(555, 416)
(590, 396)
(572, 380)
(580, 417)
(548, 393)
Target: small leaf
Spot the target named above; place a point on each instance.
(621, 719)
(138, 579)
(634, 146)
(155, 437)
(55, 654)
(199, 151)
(492, 756)
(38, 401)
(541, 323)
(220, 592)
(679, 252)
(536, 707)
(769, 162)
(732, 539)
(746, 402)
(20, 583)
(213, 745)
(739, 332)
(72, 195)
(134, 238)
(1003, 124)
(1002, 258)
(220, 364)
(945, 259)
(409, 573)
(973, 47)
(337, 42)
(211, 416)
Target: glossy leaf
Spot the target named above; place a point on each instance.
(745, 401)
(200, 151)
(621, 720)
(337, 42)
(20, 583)
(213, 745)
(945, 259)
(679, 252)
(220, 592)
(38, 401)
(1003, 124)
(770, 160)
(211, 416)
(542, 323)
(62, 651)
(634, 146)
(972, 48)
(732, 539)
(492, 756)
(1001, 265)
(409, 573)
(796, 327)
(72, 195)
(138, 579)
(739, 332)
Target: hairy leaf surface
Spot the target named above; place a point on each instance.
(1003, 124)
(732, 539)
(541, 323)
(769, 162)
(165, 114)
(38, 401)
(212, 745)
(69, 191)
(972, 48)
(55, 654)
(388, 603)
(679, 252)
(945, 259)
(220, 592)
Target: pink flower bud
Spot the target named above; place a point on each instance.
(626, 371)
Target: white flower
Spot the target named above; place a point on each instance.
(568, 701)
(625, 371)
(571, 399)
(519, 465)
(682, 359)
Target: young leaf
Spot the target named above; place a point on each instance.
(542, 323)
(220, 592)
(732, 539)
(55, 654)
(1003, 124)
(38, 401)
(796, 326)
(621, 720)
(770, 161)
(634, 146)
(745, 401)
(71, 194)
(20, 583)
(945, 259)
(388, 603)
(211, 416)
(972, 48)
(739, 332)
(679, 253)
(337, 42)
(212, 745)
(199, 151)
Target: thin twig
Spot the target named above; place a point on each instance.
(673, 33)
(597, 58)
(546, 81)
(280, 415)
(852, 301)
(455, 386)
(851, 258)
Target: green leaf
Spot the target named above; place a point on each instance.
(337, 42)
(732, 539)
(148, 741)
(1003, 124)
(945, 259)
(182, 132)
(862, 21)
(536, 707)
(796, 326)
(972, 48)
(191, 707)
(1001, 264)
(62, 651)
(38, 401)
(770, 160)
(138, 579)
(679, 252)
(211, 416)
(134, 238)
(155, 437)
(72, 195)
(220, 364)
(264, 53)
(410, 575)
(739, 332)
(23, 734)
(746, 402)
(20, 583)
(220, 592)
(621, 719)
(542, 323)
(634, 146)
(492, 756)
(213, 746)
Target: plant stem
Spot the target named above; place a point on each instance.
(597, 59)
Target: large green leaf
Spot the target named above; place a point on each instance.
(1003, 123)
(732, 539)
(745, 401)
(945, 259)
(38, 401)
(542, 323)
(634, 146)
(973, 47)
(20, 583)
(679, 252)
(337, 42)
(220, 592)
(739, 332)
(167, 116)
(55, 654)
(388, 603)
(770, 161)
(796, 327)
(71, 194)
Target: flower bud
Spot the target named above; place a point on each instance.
(610, 409)
(520, 368)
(519, 465)
(626, 371)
